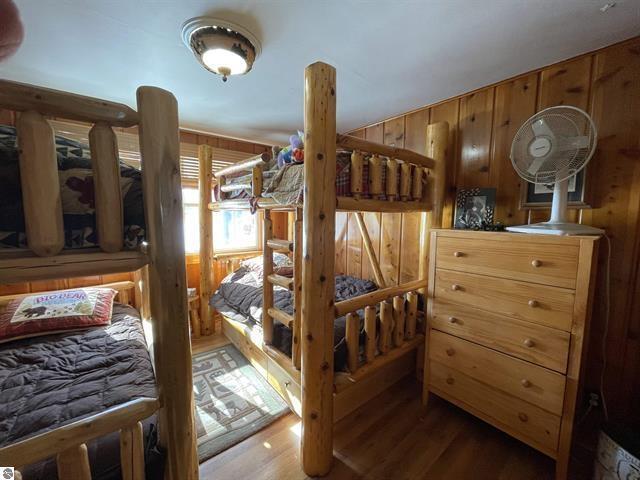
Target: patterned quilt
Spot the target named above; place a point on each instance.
(76, 188)
(285, 185)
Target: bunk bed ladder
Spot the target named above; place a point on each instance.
(294, 284)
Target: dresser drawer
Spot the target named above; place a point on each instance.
(551, 264)
(530, 423)
(550, 306)
(544, 346)
(521, 379)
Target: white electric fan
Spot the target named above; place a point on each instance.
(550, 148)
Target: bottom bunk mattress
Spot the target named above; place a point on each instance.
(239, 297)
(53, 380)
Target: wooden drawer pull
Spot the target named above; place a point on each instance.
(450, 351)
(450, 380)
(523, 417)
(458, 254)
(453, 320)
(287, 384)
(455, 287)
(534, 303)
(529, 343)
(536, 263)
(525, 383)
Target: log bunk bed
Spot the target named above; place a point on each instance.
(160, 266)
(391, 341)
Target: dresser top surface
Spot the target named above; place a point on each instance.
(516, 237)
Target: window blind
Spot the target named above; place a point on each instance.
(129, 150)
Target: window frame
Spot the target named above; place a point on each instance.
(257, 247)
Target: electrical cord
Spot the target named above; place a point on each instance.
(607, 294)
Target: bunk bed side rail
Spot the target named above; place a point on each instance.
(41, 196)
(16, 269)
(67, 443)
(352, 143)
(245, 165)
(377, 296)
(22, 97)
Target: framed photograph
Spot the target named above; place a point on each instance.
(535, 196)
(475, 207)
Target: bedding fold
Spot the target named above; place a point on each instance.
(239, 297)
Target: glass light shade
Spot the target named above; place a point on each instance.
(221, 60)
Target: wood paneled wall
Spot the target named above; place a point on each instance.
(605, 83)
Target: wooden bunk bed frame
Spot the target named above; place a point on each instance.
(161, 283)
(307, 380)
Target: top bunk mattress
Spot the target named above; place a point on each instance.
(77, 193)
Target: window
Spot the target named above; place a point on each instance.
(190, 207)
(233, 230)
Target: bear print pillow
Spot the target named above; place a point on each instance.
(54, 312)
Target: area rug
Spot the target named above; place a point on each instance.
(233, 401)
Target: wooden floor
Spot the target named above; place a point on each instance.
(391, 437)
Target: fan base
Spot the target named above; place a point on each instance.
(557, 228)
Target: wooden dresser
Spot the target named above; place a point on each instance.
(508, 315)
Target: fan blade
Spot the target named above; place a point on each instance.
(573, 143)
(536, 164)
(541, 129)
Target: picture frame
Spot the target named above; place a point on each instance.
(537, 197)
(475, 208)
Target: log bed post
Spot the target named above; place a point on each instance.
(267, 286)
(160, 153)
(40, 184)
(436, 148)
(318, 268)
(106, 181)
(297, 287)
(205, 160)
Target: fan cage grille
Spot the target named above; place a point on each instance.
(564, 158)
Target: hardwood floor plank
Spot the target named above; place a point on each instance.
(390, 437)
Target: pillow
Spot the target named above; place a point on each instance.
(54, 312)
(282, 265)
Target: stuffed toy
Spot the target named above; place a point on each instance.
(11, 30)
(294, 152)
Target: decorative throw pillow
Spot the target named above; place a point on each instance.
(54, 312)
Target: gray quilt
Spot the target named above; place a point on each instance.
(239, 297)
(49, 381)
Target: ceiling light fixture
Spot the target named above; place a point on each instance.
(222, 47)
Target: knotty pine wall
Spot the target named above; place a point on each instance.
(192, 261)
(605, 83)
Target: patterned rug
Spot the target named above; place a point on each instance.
(233, 401)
